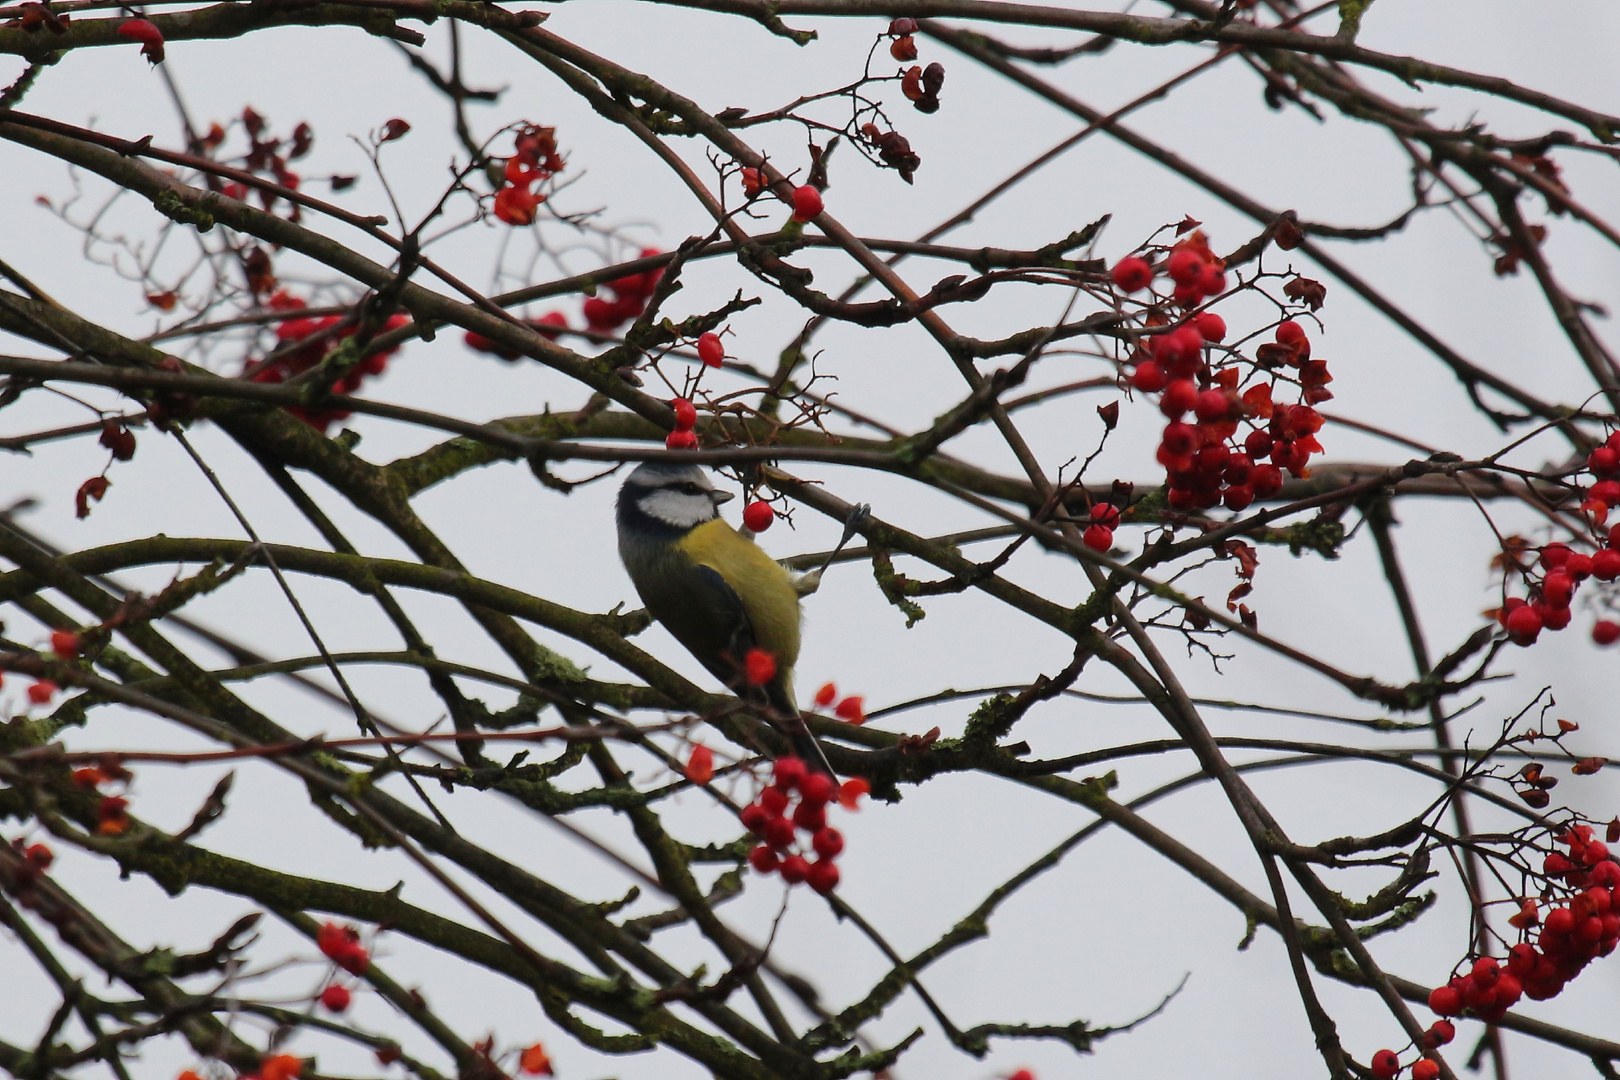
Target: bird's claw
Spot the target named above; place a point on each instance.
(857, 518)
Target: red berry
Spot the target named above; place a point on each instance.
(1557, 589)
(823, 876)
(1289, 332)
(1258, 444)
(779, 832)
(336, 998)
(64, 644)
(806, 203)
(1178, 351)
(1606, 564)
(1385, 1064)
(811, 817)
(680, 439)
(1149, 377)
(818, 788)
(790, 772)
(41, 692)
(1180, 439)
(1523, 624)
(795, 868)
(1425, 1069)
(753, 817)
(1105, 514)
(1179, 396)
(1132, 274)
(1606, 632)
(1268, 480)
(757, 516)
(700, 766)
(1442, 1032)
(40, 857)
(1211, 326)
(1238, 497)
(1522, 957)
(1579, 566)
(710, 350)
(1606, 491)
(1603, 461)
(759, 666)
(1212, 405)
(1213, 282)
(1553, 618)
(1554, 556)
(763, 859)
(1445, 1001)
(1098, 537)
(828, 843)
(774, 800)
(1185, 267)
(685, 414)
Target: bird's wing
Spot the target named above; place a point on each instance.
(711, 621)
(705, 615)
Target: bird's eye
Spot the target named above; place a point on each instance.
(692, 489)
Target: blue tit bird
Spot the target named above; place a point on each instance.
(713, 588)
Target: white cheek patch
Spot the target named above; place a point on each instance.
(679, 509)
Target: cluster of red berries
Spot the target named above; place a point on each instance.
(1548, 607)
(682, 437)
(534, 162)
(776, 821)
(1604, 465)
(1099, 535)
(1572, 934)
(630, 296)
(341, 945)
(112, 812)
(1386, 1064)
(547, 326)
(712, 352)
(1194, 269)
(322, 338)
(1205, 462)
(851, 710)
(65, 645)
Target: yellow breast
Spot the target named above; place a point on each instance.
(765, 589)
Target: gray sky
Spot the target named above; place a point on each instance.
(1114, 928)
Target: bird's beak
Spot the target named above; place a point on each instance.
(720, 496)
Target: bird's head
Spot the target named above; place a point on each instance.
(678, 496)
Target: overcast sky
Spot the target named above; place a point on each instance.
(1110, 932)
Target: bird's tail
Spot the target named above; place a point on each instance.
(780, 694)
